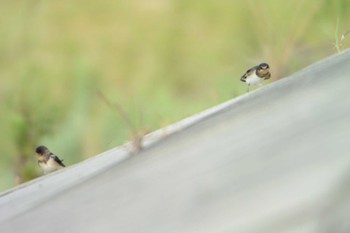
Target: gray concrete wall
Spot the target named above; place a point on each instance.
(273, 160)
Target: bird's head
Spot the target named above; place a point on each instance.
(263, 66)
(41, 150)
(263, 69)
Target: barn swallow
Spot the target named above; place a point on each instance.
(47, 160)
(256, 75)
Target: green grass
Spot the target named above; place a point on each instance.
(160, 60)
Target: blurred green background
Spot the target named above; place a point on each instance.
(161, 60)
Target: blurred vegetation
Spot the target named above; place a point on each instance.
(161, 60)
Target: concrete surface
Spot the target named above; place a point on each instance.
(273, 160)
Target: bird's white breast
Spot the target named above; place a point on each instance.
(50, 166)
(253, 79)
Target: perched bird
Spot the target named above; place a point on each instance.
(47, 160)
(256, 75)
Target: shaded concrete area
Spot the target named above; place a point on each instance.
(274, 160)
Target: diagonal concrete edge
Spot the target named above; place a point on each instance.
(23, 197)
(305, 92)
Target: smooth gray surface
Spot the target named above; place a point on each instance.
(274, 160)
(28, 195)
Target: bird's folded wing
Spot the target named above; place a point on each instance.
(248, 73)
(58, 160)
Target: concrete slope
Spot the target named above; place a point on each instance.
(274, 160)
(30, 194)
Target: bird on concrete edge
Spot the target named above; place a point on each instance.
(47, 160)
(256, 75)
